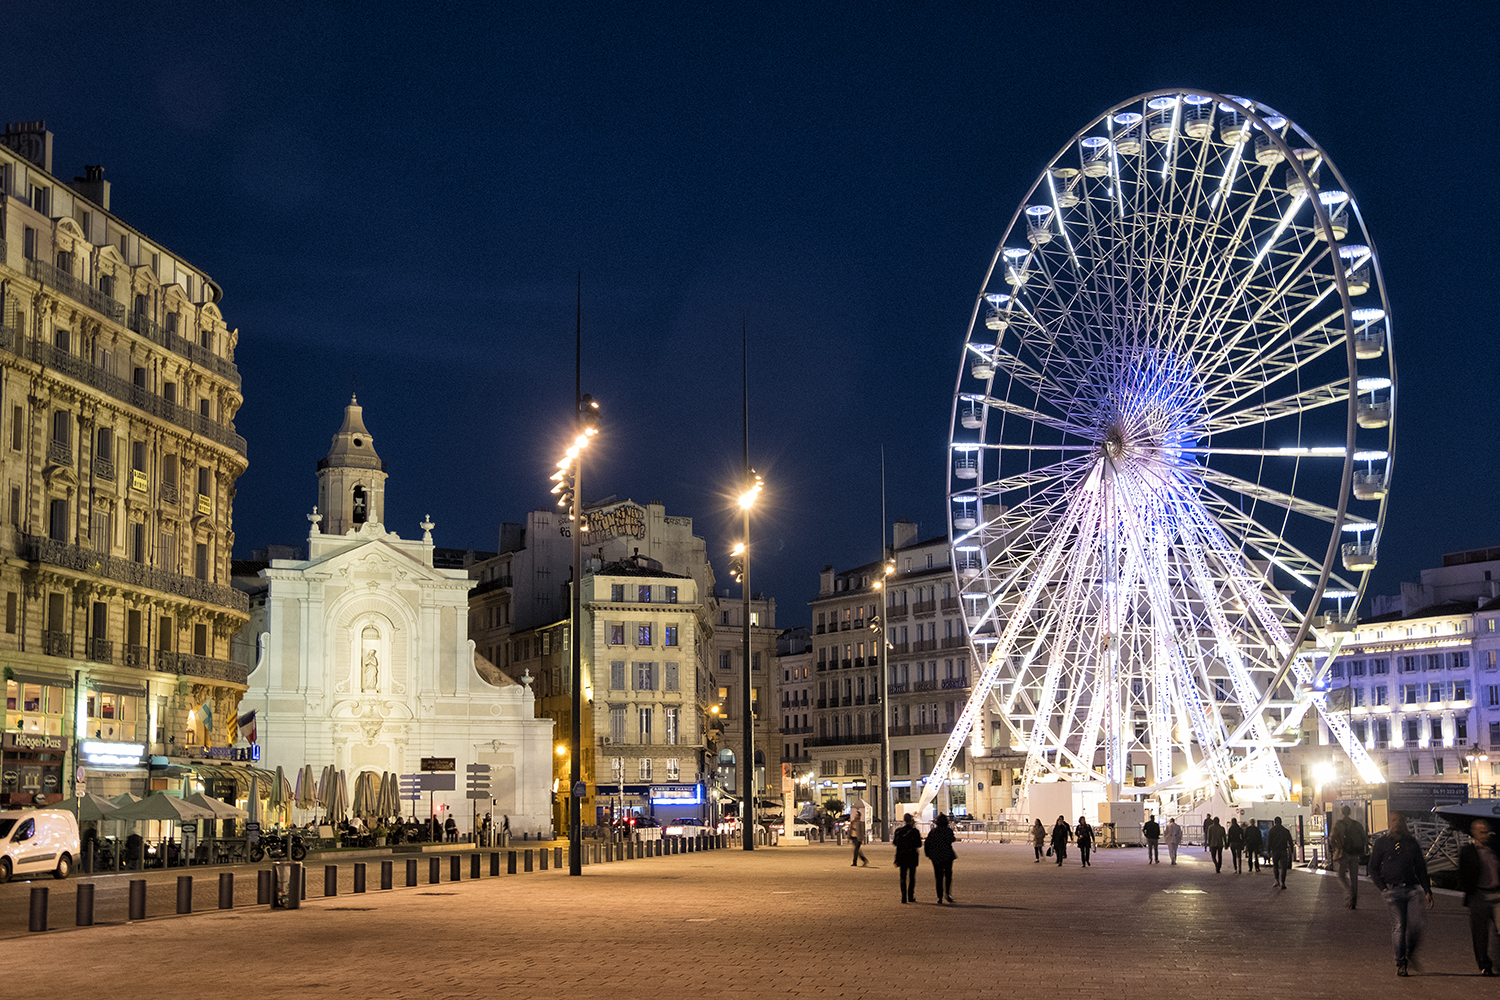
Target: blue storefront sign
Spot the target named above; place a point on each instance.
(676, 795)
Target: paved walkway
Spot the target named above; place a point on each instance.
(790, 921)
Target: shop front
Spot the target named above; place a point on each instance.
(32, 769)
(112, 767)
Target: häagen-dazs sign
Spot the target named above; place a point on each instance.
(34, 741)
(624, 519)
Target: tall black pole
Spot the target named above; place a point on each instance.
(575, 769)
(747, 810)
(887, 797)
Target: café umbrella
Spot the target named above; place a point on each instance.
(88, 807)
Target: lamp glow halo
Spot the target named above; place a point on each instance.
(1171, 435)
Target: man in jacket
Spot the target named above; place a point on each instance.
(857, 838)
(1400, 873)
(1253, 845)
(1235, 838)
(1479, 878)
(1346, 845)
(908, 842)
(1151, 830)
(1279, 843)
(1173, 836)
(1213, 836)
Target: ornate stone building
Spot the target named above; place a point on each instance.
(118, 459)
(365, 660)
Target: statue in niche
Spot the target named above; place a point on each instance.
(369, 676)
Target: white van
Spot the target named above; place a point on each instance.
(33, 841)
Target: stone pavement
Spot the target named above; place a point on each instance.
(789, 921)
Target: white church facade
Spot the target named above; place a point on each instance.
(364, 660)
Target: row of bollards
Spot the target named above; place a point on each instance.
(285, 885)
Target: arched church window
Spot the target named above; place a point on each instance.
(361, 507)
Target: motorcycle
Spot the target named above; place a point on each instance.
(277, 847)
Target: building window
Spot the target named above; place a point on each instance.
(11, 609)
(755, 660)
(669, 678)
(57, 522)
(645, 724)
(1413, 731)
(669, 635)
(674, 769)
(1434, 692)
(1492, 696)
(1359, 697)
(1380, 666)
(1460, 690)
(669, 726)
(645, 677)
(1437, 766)
(1461, 731)
(724, 663)
(17, 428)
(900, 761)
(643, 635)
(1379, 692)
(617, 593)
(1356, 668)
(645, 768)
(617, 675)
(928, 760)
(1409, 694)
(670, 595)
(1409, 665)
(644, 590)
(1414, 767)
(360, 509)
(617, 634)
(617, 723)
(200, 561)
(1459, 660)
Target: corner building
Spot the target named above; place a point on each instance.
(118, 459)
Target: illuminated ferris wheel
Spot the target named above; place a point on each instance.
(1170, 451)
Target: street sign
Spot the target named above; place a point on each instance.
(438, 763)
(580, 791)
(411, 784)
(477, 768)
(479, 781)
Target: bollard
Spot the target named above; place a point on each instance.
(542, 857)
(39, 907)
(434, 871)
(296, 888)
(330, 880)
(494, 862)
(510, 862)
(85, 902)
(226, 890)
(387, 874)
(411, 872)
(473, 866)
(184, 894)
(359, 876)
(557, 857)
(263, 887)
(137, 899)
(528, 859)
(455, 867)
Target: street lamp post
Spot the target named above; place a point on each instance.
(1475, 759)
(748, 812)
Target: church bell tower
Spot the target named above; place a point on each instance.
(351, 477)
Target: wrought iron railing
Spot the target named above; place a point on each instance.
(51, 553)
(156, 333)
(76, 289)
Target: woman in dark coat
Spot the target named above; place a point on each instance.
(908, 840)
(1084, 835)
(1061, 834)
(1038, 839)
(939, 850)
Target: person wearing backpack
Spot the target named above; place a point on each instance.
(1347, 844)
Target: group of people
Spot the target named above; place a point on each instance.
(1062, 833)
(938, 847)
(1245, 842)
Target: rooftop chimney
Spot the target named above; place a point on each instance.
(903, 533)
(93, 186)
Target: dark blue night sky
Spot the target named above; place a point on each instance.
(398, 198)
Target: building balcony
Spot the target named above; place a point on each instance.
(955, 683)
(796, 730)
(156, 333)
(822, 702)
(59, 453)
(100, 650)
(168, 492)
(902, 688)
(847, 664)
(924, 646)
(924, 685)
(896, 612)
(931, 728)
(840, 741)
(859, 662)
(57, 643)
(847, 702)
(949, 604)
(168, 662)
(76, 289)
(49, 553)
(859, 699)
(820, 630)
(900, 647)
(844, 626)
(126, 391)
(104, 469)
(900, 731)
(953, 642)
(924, 607)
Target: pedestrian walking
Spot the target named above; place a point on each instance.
(484, 831)
(1400, 873)
(1347, 843)
(504, 829)
(939, 850)
(1479, 878)
(1279, 843)
(1038, 839)
(1215, 838)
(1083, 836)
(907, 841)
(1173, 836)
(1235, 838)
(1253, 845)
(451, 829)
(1061, 834)
(857, 838)
(1151, 829)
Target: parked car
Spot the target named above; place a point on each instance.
(687, 826)
(33, 841)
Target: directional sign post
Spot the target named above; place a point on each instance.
(479, 788)
(413, 785)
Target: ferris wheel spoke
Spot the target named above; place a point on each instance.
(1224, 419)
(1256, 491)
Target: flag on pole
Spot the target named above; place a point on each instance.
(207, 710)
(247, 726)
